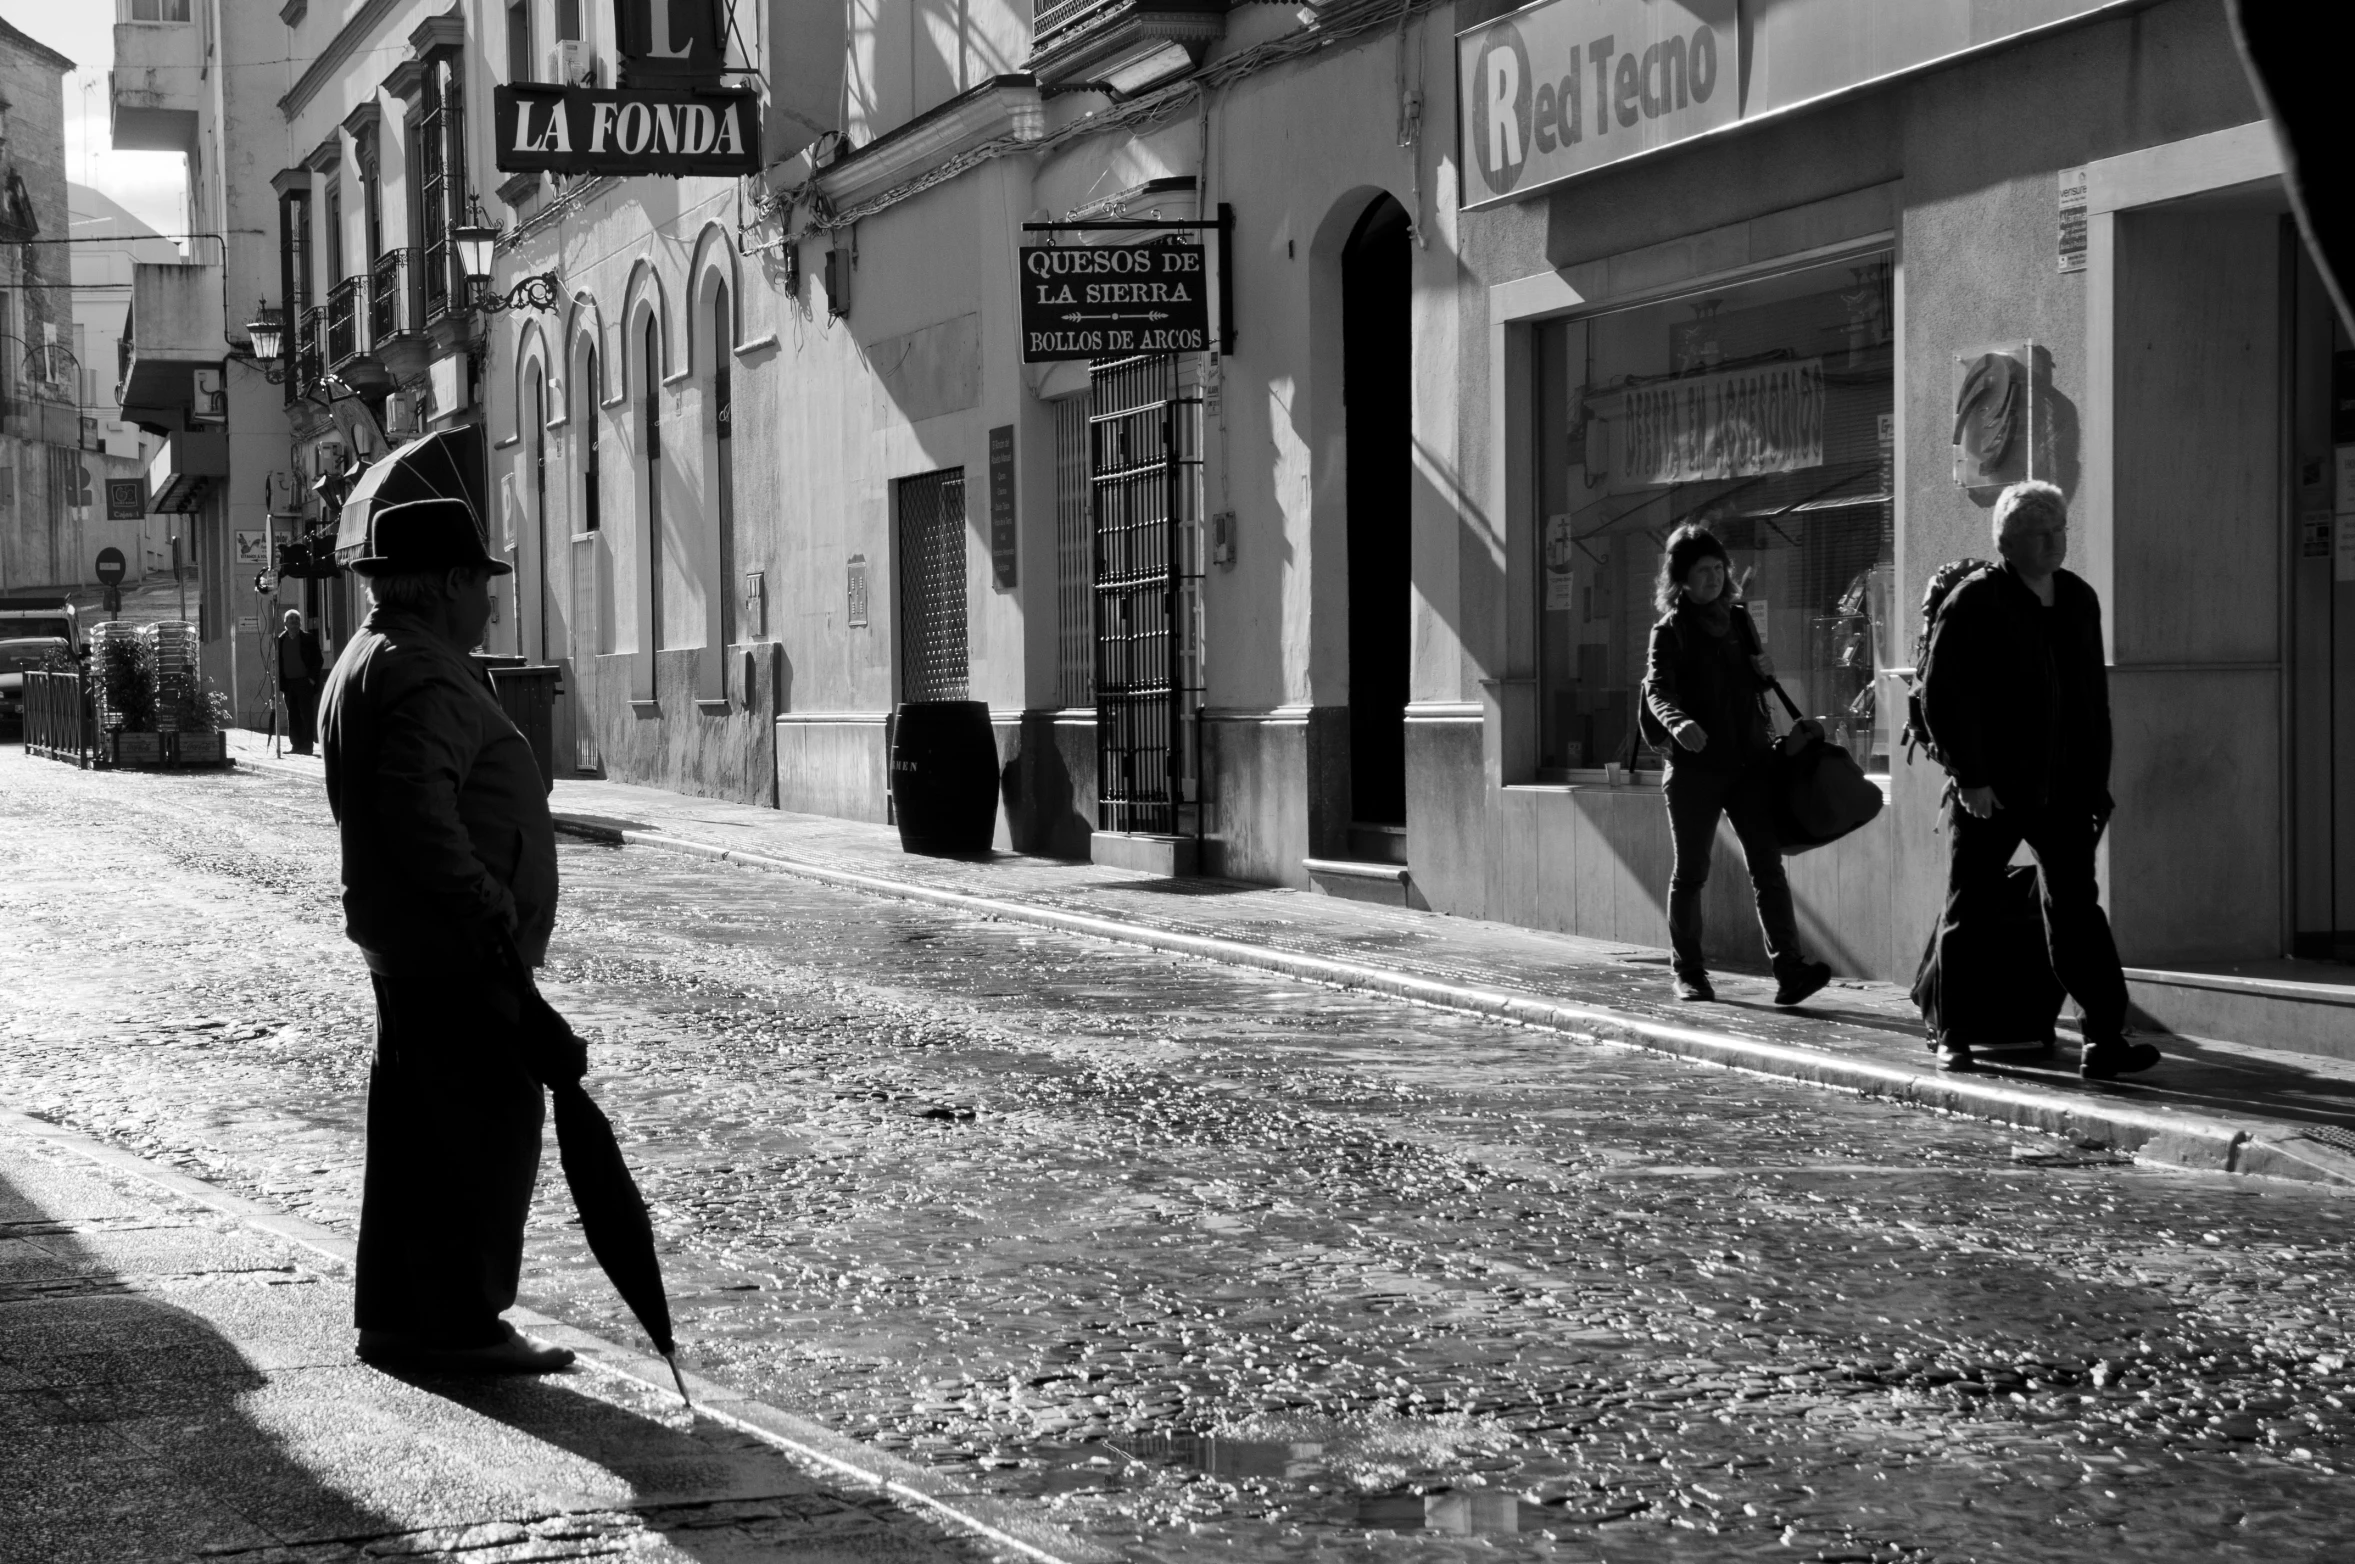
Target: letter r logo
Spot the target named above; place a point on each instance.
(1500, 90)
(1504, 85)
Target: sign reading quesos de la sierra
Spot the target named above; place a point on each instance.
(1564, 86)
(672, 112)
(1092, 301)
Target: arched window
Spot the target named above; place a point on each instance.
(723, 472)
(536, 409)
(585, 398)
(650, 386)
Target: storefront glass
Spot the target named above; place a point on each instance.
(1762, 410)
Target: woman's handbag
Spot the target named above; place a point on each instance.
(1820, 792)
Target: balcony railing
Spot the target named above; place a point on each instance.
(309, 346)
(392, 297)
(347, 321)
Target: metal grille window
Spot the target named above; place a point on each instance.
(441, 184)
(294, 274)
(931, 610)
(1075, 581)
(1145, 468)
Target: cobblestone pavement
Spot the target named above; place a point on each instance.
(1211, 1263)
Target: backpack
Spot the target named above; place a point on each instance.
(1943, 581)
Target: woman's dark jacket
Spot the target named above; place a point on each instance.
(2017, 694)
(1708, 679)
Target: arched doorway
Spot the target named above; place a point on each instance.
(1376, 284)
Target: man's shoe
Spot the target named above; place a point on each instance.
(2110, 1058)
(1801, 982)
(1695, 990)
(1955, 1058)
(510, 1355)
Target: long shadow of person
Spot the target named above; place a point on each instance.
(171, 1385)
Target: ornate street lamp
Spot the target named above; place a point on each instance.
(265, 336)
(266, 332)
(476, 238)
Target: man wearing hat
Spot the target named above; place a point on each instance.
(449, 871)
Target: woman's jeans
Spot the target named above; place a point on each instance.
(1696, 797)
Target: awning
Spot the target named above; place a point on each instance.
(191, 462)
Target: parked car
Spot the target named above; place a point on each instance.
(32, 630)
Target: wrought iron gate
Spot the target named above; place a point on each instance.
(1145, 465)
(931, 608)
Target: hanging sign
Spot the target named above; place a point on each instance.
(625, 130)
(1737, 423)
(1095, 301)
(670, 43)
(1558, 88)
(126, 499)
(672, 114)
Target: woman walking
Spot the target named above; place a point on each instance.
(1704, 683)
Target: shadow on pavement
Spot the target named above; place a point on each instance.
(130, 1427)
(171, 1388)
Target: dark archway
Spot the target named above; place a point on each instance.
(1376, 285)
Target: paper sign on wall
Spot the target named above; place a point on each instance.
(1561, 578)
(2343, 500)
(2072, 220)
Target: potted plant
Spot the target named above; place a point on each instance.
(204, 717)
(126, 684)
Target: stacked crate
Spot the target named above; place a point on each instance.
(103, 699)
(172, 654)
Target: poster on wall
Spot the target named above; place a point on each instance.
(1561, 87)
(1737, 423)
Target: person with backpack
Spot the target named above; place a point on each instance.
(1704, 708)
(2014, 702)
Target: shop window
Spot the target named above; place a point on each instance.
(1764, 411)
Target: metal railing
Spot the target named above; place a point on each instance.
(392, 296)
(58, 721)
(347, 321)
(309, 347)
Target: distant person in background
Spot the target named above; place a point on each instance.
(300, 670)
(1705, 684)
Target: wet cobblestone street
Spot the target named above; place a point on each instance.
(1216, 1264)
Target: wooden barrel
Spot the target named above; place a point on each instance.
(944, 778)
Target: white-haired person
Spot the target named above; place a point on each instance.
(2018, 700)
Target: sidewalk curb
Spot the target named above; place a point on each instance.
(2161, 1137)
(1001, 1522)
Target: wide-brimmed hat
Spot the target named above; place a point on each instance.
(426, 535)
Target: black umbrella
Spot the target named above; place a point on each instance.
(613, 1213)
(444, 465)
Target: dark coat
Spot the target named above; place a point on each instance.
(442, 811)
(299, 661)
(1709, 679)
(2017, 694)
